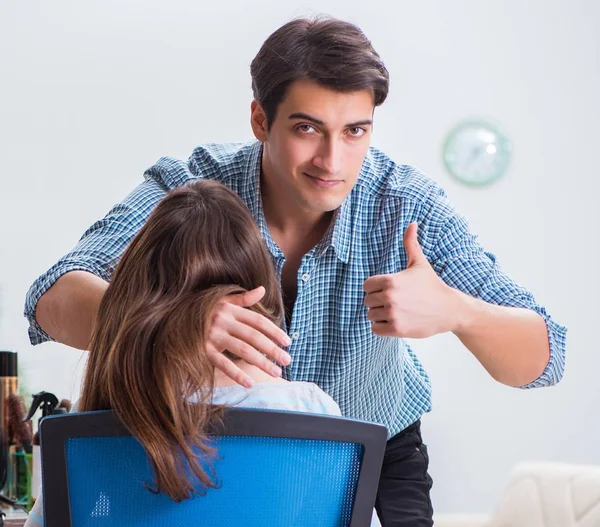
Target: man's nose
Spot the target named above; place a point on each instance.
(328, 158)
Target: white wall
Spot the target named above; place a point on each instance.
(91, 93)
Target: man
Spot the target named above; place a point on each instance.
(368, 253)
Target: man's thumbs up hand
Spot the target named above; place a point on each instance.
(414, 303)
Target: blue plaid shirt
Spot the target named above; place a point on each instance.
(373, 378)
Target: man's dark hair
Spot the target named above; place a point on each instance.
(331, 52)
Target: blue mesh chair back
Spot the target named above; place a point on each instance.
(272, 469)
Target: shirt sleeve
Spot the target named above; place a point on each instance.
(459, 259)
(99, 249)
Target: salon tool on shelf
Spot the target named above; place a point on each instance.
(50, 405)
(9, 385)
(20, 435)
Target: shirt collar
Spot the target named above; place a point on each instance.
(340, 239)
(253, 192)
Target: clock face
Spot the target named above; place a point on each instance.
(477, 152)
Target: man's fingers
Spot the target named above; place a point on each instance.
(247, 335)
(383, 329)
(378, 283)
(379, 314)
(251, 355)
(264, 325)
(373, 284)
(230, 369)
(373, 300)
(260, 342)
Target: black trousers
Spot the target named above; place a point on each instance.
(403, 498)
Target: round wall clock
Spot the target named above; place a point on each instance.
(477, 152)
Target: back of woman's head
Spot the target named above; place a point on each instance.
(147, 356)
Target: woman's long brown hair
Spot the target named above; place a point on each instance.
(147, 359)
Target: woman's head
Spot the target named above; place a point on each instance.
(147, 355)
(199, 236)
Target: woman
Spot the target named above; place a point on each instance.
(147, 357)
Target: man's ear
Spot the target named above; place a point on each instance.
(258, 121)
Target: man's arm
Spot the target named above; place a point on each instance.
(62, 304)
(460, 288)
(511, 343)
(67, 311)
(497, 319)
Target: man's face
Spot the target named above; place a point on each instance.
(315, 147)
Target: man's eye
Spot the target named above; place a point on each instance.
(356, 131)
(305, 128)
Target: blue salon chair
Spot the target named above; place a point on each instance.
(274, 468)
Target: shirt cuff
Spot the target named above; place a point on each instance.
(557, 338)
(36, 334)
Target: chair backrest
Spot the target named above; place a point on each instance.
(273, 468)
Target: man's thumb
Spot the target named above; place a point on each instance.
(414, 253)
(249, 298)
